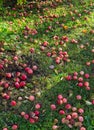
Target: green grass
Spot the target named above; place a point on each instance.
(49, 82)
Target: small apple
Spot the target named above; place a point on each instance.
(53, 107)
(8, 75)
(14, 127)
(61, 112)
(13, 103)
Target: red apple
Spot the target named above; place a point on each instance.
(60, 97)
(14, 127)
(61, 112)
(82, 128)
(86, 84)
(64, 100)
(32, 50)
(15, 58)
(34, 67)
(5, 96)
(80, 118)
(22, 83)
(13, 103)
(6, 85)
(87, 76)
(75, 77)
(8, 75)
(53, 107)
(59, 101)
(31, 120)
(78, 97)
(26, 116)
(36, 112)
(23, 77)
(17, 85)
(30, 71)
(68, 106)
(45, 43)
(69, 77)
(31, 98)
(69, 117)
(37, 106)
(80, 110)
(80, 84)
(22, 113)
(74, 115)
(5, 128)
(54, 127)
(80, 79)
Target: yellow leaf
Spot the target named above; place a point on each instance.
(84, 31)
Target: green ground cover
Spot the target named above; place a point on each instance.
(55, 40)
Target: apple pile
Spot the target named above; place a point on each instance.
(81, 79)
(32, 116)
(70, 115)
(14, 75)
(56, 53)
(28, 32)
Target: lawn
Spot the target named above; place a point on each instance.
(47, 66)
